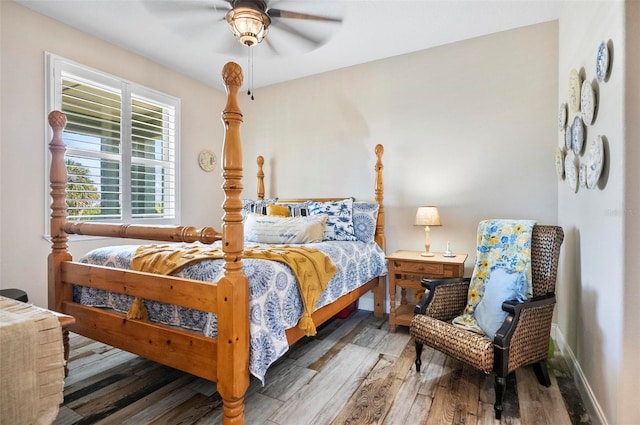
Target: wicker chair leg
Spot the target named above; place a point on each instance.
(542, 373)
(500, 386)
(419, 346)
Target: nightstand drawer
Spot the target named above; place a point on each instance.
(421, 268)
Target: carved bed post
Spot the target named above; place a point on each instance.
(58, 179)
(260, 177)
(233, 287)
(379, 291)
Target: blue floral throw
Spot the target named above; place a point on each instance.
(502, 244)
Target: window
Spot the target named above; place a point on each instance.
(122, 145)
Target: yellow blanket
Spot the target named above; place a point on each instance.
(312, 268)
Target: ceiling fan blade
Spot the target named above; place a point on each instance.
(315, 41)
(174, 8)
(273, 48)
(279, 13)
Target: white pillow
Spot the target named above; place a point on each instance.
(284, 230)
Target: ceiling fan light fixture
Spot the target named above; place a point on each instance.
(248, 25)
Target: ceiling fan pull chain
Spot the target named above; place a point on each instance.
(250, 69)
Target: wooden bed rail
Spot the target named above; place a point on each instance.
(145, 232)
(60, 227)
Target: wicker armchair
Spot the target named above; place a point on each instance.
(523, 338)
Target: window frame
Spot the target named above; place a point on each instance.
(54, 67)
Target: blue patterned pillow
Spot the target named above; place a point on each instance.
(365, 215)
(256, 206)
(339, 225)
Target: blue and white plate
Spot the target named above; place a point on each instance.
(577, 135)
(559, 160)
(562, 116)
(587, 103)
(595, 162)
(571, 172)
(602, 62)
(567, 137)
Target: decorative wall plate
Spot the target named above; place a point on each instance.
(595, 162)
(560, 162)
(602, 62)
(207, 160)
(577, 135)
(574, 90)
(567, 137)
(583, 175)
(587, 102)
(571, 171)
(562, 116)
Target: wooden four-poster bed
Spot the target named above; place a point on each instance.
(224, 359)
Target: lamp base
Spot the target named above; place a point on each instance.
(427, 254)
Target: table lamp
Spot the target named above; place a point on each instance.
(427, 216)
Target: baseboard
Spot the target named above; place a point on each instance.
(590, 402)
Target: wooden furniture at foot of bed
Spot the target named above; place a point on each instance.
(225, 359)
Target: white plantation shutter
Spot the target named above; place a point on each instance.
(122, 144)
(153, 158)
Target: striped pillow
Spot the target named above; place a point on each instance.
(298, 210)
(256, 206)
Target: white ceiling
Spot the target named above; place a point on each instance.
(194, 39)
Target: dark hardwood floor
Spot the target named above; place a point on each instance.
(353, 372)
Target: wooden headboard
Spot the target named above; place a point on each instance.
(378, 193)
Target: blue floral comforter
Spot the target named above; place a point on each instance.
(274, 298)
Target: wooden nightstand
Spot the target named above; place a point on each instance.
(406, 269)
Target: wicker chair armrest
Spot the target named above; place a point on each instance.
(431, 284)
(514, 310)
(444, 298)
(525, 331)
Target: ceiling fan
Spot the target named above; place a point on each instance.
(251, 22)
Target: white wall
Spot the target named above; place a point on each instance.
(594, 295)
(469, 127)
(25, 37)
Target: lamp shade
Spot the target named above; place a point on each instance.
(427, 216)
